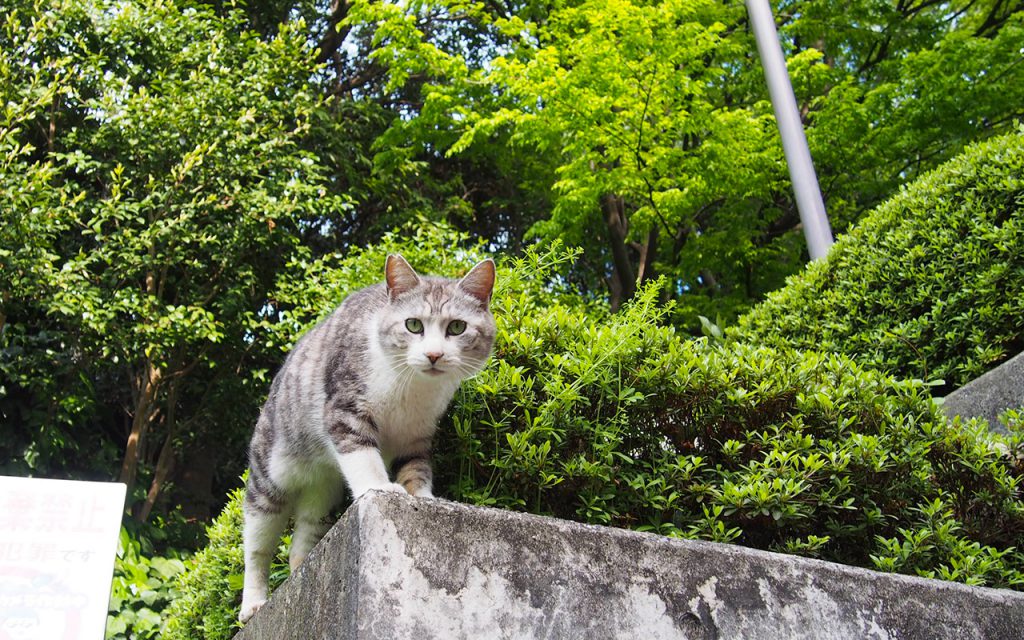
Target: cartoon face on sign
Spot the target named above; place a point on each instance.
(37, 606)
(20, 624)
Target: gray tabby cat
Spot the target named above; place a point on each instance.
(360, 392)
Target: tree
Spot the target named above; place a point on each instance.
(630, 99)
(652, 124)
(165, 185)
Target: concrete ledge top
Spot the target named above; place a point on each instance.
(990, 394)
(401, 567)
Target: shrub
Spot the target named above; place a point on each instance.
(143, 586)
(623, 423)
(929, 285)
(616, 420)
(206, 606)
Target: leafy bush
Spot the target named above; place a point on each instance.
(142, 587)
(616, 420)
(206, 606)
(929, 285)
(623, 423)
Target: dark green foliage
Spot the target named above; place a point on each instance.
(617, 420)
(623, 423)
(154, 185)
(930, 285)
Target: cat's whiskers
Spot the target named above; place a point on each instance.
(470, 370)
(401, 374)
(404, 381)
(397, 366)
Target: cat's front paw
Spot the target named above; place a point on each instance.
(390, 487)
(393, 487)
(249, 609)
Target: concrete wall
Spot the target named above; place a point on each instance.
(989, 395)
(399, 567)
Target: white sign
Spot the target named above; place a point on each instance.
(57, 544)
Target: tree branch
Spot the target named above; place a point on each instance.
(333, 37)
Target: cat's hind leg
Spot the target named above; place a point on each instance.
(312, 520)
(265, 520)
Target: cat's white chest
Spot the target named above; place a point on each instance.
(407, 411)
(412, 409)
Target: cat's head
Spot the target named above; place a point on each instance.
(437, 327)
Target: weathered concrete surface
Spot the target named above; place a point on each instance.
(989, 395)
(399, 567)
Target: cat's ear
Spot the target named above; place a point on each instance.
(399, 276)
(479, 282)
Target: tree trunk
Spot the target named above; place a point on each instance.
(709, 280)
(648, 250)
(145, 406)
(333, 37)
(196, 478)
(165, 463)
(613, 208)
(614, 291)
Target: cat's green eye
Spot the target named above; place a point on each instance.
(414, 325)
(456, 327)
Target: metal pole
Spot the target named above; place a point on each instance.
(801, 170)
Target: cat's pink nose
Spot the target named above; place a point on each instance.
(433, 356)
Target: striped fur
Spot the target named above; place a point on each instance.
(360, 393)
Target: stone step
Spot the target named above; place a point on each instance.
(397, 567)
(989, 395)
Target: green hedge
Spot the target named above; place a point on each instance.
(617, 420)
(209, 591)
(929, 285)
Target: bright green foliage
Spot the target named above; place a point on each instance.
(143, 586)
(644, 131)
(631, 98)
(930, 285)
(623, 116)
(616, 420)
(1012, 418)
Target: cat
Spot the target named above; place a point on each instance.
(360, 392)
